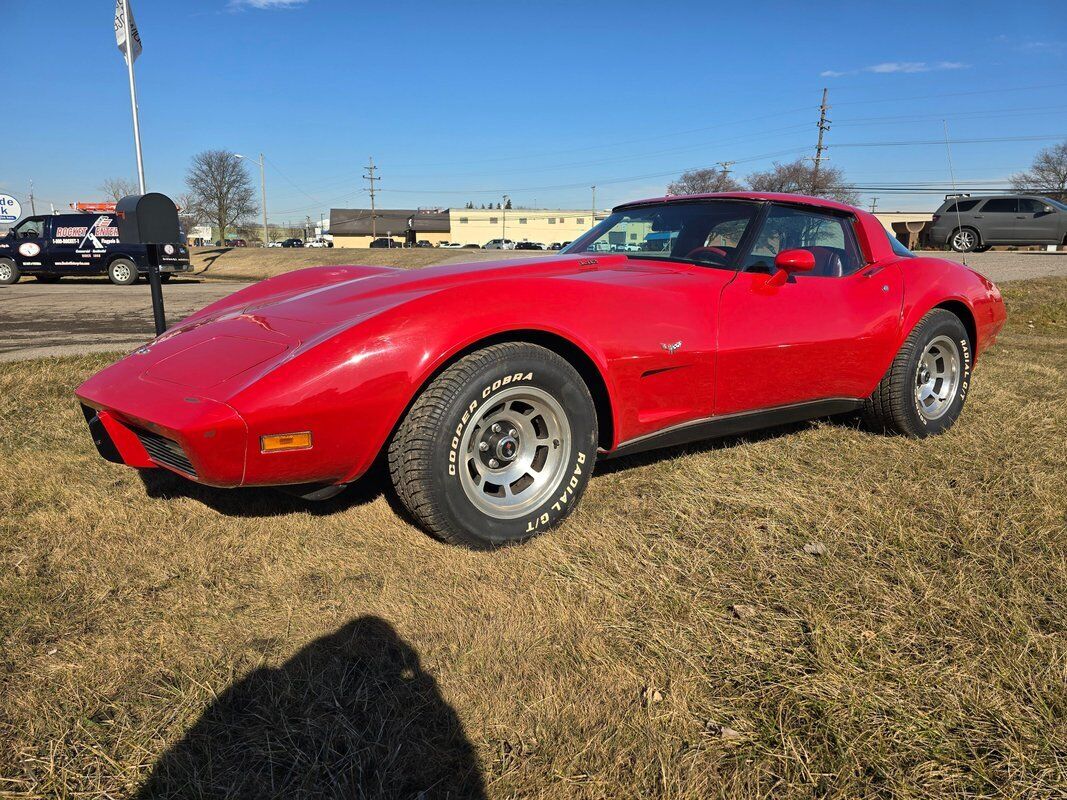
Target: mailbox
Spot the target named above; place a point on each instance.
(148, 219)
(152, 220)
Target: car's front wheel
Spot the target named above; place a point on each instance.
(964, 240)
(9, 271)
(926, 386)
(498, 448)
(122, 272)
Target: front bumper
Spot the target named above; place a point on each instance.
(198, 438)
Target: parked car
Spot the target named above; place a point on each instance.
(451, 245)
(499, 244)
(383, 242)
(236, 243)
(318, 242)
(529, 246)
(978, 223)
(274, 244)
(52, 246)
(803, 307)
(471, 247)
(294, 242)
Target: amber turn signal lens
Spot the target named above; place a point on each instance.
(278, 442)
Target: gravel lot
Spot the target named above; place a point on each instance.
(90, 315)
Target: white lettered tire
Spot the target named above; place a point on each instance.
(498, 448)
(926, 386)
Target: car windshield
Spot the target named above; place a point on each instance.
(704, 232)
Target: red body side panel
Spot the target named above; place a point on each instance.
(343, 351)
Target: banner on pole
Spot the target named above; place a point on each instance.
(120, 31)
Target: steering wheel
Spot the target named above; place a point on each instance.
(703, 253)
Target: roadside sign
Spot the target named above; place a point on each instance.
(10, 209)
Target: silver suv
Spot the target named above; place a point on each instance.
(978, 223)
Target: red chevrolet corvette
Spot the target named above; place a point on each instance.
(492, 388)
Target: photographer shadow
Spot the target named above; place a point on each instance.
(351, 715)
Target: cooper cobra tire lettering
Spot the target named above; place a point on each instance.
(445, 453)
(486, 392)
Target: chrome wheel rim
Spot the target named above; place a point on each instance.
(121, 272)
(513, 452)
(5, 272)
(937, 377)
(964, 240)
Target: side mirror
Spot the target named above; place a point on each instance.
(1049, 209)
(789, 261)
(795, 261)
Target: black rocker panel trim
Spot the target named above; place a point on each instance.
(733, 424)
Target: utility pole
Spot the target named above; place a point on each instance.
(33, 205)
(874, 204)
(263, 186)
(725, 166)
(592, 219)
(824, 126)
(371, 178)
(504, 219)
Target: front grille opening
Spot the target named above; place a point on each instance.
(165, 452)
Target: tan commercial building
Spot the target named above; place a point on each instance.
(357, 227)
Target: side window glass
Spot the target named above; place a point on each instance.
(1000, 205)
(30, 229)
(829, 238)
(1029, 206)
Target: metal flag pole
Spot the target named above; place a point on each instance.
(128, 25)
(131, 48)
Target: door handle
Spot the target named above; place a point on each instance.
(873, 271)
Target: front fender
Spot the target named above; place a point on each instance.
(353, 388)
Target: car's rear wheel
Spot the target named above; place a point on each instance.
(498, 448)
(9, 271)
(964, 240)
(926, 386)
(122, 272)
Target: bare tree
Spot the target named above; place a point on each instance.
(799, 177)
(221, 189)
(703, 181)
(117, 188)
(1047, 175)
(189, 212)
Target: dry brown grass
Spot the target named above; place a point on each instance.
(672, 639)
(257, 263)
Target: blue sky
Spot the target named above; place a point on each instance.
(461, 101)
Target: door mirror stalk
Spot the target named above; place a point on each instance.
(788, 262)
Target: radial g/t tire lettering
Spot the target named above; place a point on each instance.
(498, 448)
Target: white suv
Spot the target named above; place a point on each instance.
(500, 244)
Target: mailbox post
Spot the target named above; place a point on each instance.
(152, 220)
